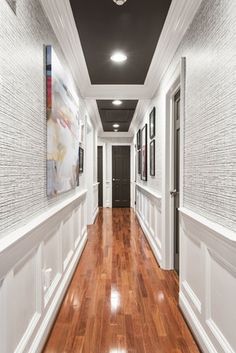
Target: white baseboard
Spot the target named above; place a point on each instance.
(47, 322)
(197, 329)
(95, 214)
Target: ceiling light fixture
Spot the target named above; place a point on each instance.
(118, 57)
(117, 102)
(119, 2)
(116, 130)
(116, 126)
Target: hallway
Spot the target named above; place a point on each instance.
(119, 300)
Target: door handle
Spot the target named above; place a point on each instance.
(173, 192)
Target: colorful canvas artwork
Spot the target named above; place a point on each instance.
(62, 128)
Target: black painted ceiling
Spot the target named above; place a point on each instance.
(133, 28)
(121, 115)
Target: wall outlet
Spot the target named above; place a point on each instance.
(47, 278)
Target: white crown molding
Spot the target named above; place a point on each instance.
(179, 18)
(93, 112)
(139, 113)
(117, 92)
(60, 15)
(107, 134)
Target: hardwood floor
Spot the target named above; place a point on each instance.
(119, 300)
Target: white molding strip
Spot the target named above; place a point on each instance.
(149, 191)
(179, 17)
(11, 241)
(218, 230)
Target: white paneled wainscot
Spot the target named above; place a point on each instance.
(36, 265)
(148, 211)
(208, 281)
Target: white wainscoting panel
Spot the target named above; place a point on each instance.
(208, 281)
(36, 265)
(148, 210)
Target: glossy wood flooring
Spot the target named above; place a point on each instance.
(119, 300)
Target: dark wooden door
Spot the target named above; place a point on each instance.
(176, 178)
(100, 176)
(120, 176)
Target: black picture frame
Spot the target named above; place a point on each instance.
(152, 158)
(144, 153)
(152, 123)
(81, 160)
(139, 161)
(138, 139)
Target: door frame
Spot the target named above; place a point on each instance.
(176, 82)
(103, 145)
(132, 186)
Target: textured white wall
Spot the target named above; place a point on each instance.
(209, 46)
(22, 112)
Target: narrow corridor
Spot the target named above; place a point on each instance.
(119, 300)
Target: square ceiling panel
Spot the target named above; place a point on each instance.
(121, 115)
(133, 28)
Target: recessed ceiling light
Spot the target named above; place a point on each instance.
(117, 102)
(119, 2)
(116, 126)
(118, 57)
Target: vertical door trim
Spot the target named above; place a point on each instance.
(177, 81)
(131, 170)
(103, 145)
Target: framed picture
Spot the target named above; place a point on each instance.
(81, 160)
(62, 107)
(152, 123)
(152, 158)
(139, 162)
(144, 153)
(139, 139)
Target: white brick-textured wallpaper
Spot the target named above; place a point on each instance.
(210, 125)
(22, 112)
(209, 46)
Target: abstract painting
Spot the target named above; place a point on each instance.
(62, 127)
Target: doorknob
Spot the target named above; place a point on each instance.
(173, 192)
(113, 179)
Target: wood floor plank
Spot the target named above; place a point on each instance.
(119, 300)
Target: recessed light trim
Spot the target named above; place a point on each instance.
(117, 102)
(116, 126)
(120, 2)
(118, 57)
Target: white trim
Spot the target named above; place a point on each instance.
(44, 329)
(11, 241)
(196, 326)
(167, 171)
(103, 145)
(179, 17)
(217, 230)
(149, 191)
(121, 144)
(152, 243)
